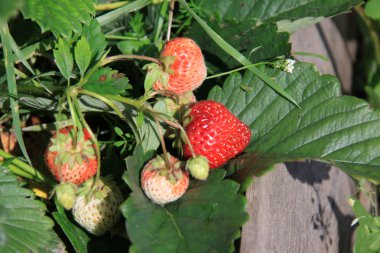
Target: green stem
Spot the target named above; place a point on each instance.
(372, 32)
(114, 58)
(235, 70)
(72, 109)
(160, 21)
(110, 6)
(119, 37)
(109, 17)
(173, 124)
(93, 138)
(133, 102)
(104, 100)
(111, 105)
(170, 21)
(26, 168)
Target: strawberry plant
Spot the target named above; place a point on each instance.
(136, 122)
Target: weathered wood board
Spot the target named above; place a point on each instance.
(302, 207)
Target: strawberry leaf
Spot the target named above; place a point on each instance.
(272, 11)
(19, 211)
(64, 58)
(62, 17)
(206, 219)
(341, 130)
(254, 42)
(107, 81)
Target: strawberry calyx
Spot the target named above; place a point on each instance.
(167, 62)
(155, 73)
(98, 189)
(72, 149)
(66, 194)
(172, 172)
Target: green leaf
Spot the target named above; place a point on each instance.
(341, 130)
(77, 237)
(95, 38)
(62, 17)
(20, 212)
(133, 46)
(83, 54)
(245, 37)
(107, 81)
(124, 10)
(64, 58)
(9, 8)
(372, 9)
(206, 219)
(275, 10)
(148, 132)
(6, 39)
(367, 235)
(236, 54)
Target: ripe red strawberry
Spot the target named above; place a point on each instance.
(97, 208)
(161, 184)
(183, 61)
(69, 163)
(214, 132)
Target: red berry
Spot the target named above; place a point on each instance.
(184, 62)
(69, 163)
(161, 184)
(214, 132)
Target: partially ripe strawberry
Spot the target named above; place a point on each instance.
(161, 184)
(97, 209)
(214, 132)
(68, 162)
(183, 61)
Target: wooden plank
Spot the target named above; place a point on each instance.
(302, 207)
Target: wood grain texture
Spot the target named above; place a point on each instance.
(302, 207)
(299, 207)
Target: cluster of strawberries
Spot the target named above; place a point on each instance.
(213, 136)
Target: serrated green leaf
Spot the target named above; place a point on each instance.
(64, 58)
(19, 211)
(83, 54)
(341, 130)
(148, 132)
(107, 81)
(245, 37)
(275, 10)
(206, 219)
(237, 55)
(62, 17)
(95, 38)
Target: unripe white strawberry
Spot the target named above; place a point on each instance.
(97, 210)
(163, 184)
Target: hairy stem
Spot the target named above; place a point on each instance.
(114, 58)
